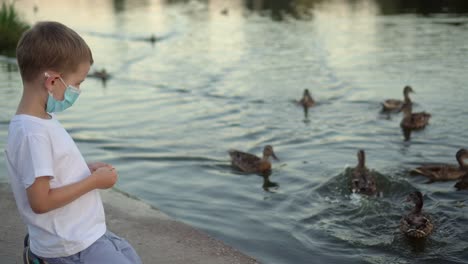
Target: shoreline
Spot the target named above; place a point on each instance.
(155, 236)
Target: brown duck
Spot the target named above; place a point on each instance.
(307, 100)
(362, 179)
(445, 172)
(416, 224)
(396, 104)
(250, 163)
(412, 120)
(462, 183)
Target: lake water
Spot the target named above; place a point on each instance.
(219, 80)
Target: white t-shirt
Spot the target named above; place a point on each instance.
(42, 147)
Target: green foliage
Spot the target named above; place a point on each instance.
(11, 28)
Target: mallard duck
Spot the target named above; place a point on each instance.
(363, 180)
(396, 104)
(416, 224)
(307, 100)
(414, 120)
(444, 172)
(250, 163)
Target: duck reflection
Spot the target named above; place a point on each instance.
(268, 185)
(306, 114)
(406, 133)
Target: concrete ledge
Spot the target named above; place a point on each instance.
(155, 236)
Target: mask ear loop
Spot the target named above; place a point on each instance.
(47, 75)
(72, 88)
(63, 82)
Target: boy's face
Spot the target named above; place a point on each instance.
(57, 87)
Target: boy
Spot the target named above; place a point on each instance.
(56, 192)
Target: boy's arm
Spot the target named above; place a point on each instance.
(44, 199)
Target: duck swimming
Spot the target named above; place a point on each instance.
(247, 162)
(416, 224)
(390, 105)
(362, 179)
(307, 100)
(412, 120)
(462, 183)
(445, 172)
(152, 39)
(102, 74)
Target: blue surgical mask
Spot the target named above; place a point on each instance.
(69, 97)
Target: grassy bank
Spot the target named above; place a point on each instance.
(11, 28)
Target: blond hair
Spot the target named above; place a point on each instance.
(50, 45)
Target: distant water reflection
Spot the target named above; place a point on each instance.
(301, 9)
(227, 74)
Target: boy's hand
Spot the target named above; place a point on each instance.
(104, 177)
(96, 165)
(43, 199)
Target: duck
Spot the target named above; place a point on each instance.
(250, 163)
(462, 183)
(445, 172)
(414, 121)
(363, 181)
(416, 224)
(391, 105)
(307, 100)
(102, 74)
(152, 39)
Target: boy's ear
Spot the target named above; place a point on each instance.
(49, 81)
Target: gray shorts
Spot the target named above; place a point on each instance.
(107, 249)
